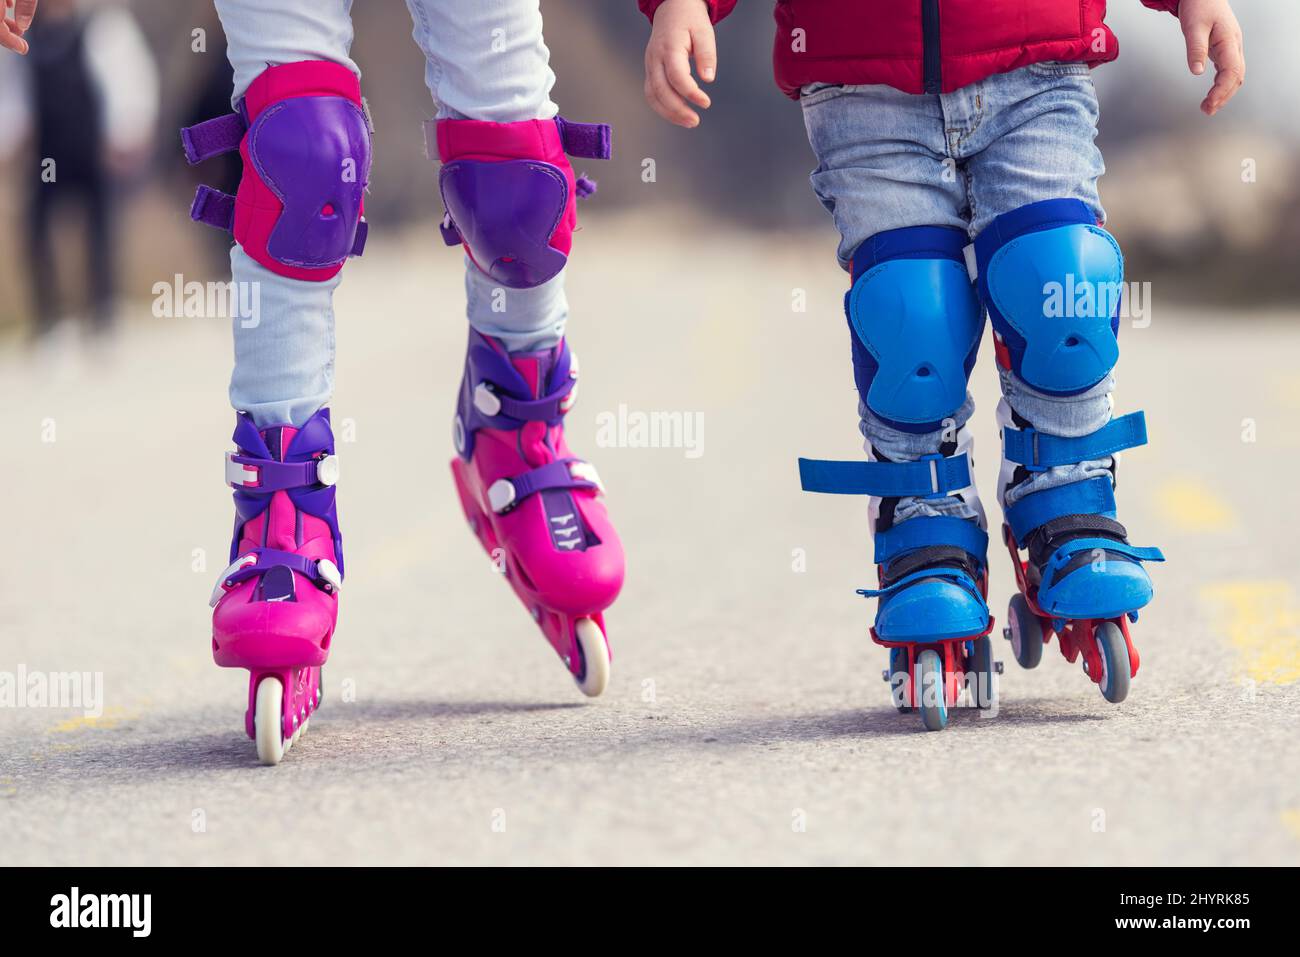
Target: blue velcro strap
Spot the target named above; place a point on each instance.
(928, 530)
(932, 475)
(1038, 450)
(955, 575)
(1092, 497)
(1061, 557)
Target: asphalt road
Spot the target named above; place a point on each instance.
(746, 721)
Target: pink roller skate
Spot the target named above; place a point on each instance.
(276, 605)
(532, 504)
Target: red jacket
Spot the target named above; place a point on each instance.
(928, 46)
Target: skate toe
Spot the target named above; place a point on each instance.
(1102, 589)
(931, 610)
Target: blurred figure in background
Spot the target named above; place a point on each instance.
(86, 95)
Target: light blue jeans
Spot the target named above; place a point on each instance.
(485, 60)
(888, 159)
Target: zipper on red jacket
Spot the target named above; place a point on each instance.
(931, 62)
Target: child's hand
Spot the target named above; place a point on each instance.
(682, 30)
(13, 28)
(1211, 28)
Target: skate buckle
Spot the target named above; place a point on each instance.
(239, 474)
(936, 490)
(586, 472)
(485, 400)
(501, 496)
(330, 574)
(219, 589)
(327, 470)
(567, 402)
(1032, 465)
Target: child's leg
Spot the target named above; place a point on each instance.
(1050, 277)
(284, 351)
(899, 202)
(488, 62)
(510, 195)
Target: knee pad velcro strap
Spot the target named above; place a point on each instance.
(510, 191)
(916, 325)
(304, 136)
(1052, 281)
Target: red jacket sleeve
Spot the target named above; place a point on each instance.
(1170, 5)
(720, 8)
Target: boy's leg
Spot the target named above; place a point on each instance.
(899, 202)
(1051, 278)
(510, 195)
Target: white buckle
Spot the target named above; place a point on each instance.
(567, 402)
(220, 588)
(485, 400)
(240, 475)
(501, 495)
(586, 472)
(328, 571)
(327, 470)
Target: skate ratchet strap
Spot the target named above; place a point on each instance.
(932, 476)
(258, 561)
(931, 530)
(954, 575)
(1038, 451)
(1094, 496)
(250, 474)
(213, 137)
(505, 494)
(1062, 556)
(549, 408)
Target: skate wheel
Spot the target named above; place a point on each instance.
(897, 677)
(268, 720)
(1115, 664)
(982, 679)
(1026, 630)
(930, 690)
(595, 657)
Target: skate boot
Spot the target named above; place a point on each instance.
(915, 327)
(533, 505)
(1081, 580)
(275, 607)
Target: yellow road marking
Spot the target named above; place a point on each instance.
(1190, 506)
(1261, 620)
(111, 718)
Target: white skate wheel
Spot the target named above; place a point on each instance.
(267, 720)
(595, 653)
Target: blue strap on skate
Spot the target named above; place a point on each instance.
(1094, 496)
(932, 476)
(1038, 451)
(954, 575)
(927, 530)
(1061, 557)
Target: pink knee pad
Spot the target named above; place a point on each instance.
(510, 192)
(304, 135)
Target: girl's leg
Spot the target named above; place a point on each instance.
(284, 333)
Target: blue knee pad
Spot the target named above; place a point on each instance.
(1051, 279)
(916, 325)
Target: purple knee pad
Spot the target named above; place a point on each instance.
(510, 192)
(304, 136)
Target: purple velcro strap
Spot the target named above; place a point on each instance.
(552, 475)
(450, 234)
(359, 244)
(212, 207)
(588, 140)
(212, 137)
(268, 558)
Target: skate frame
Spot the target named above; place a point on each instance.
(1074, 637)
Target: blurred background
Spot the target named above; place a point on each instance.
(745, 696)
(119, 78)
